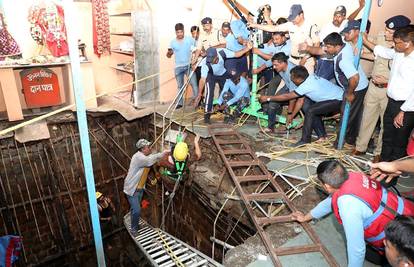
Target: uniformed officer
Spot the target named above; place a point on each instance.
(235, 41)
(212, 72)
(209, 37)
(399, 113)
(300, 31)
(376, 99)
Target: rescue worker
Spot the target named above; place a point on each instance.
(376, 99)
(361, 205)
(353, 81)
(105, 207)
(212, 72)
(300, 31)
(324, 66)
(236, 92)
(325, 99)
(175, 163)
(136, 178)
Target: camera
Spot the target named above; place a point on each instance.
(260, 11)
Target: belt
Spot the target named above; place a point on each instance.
(380, 85)
(295, 57)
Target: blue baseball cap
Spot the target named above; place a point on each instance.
(397, 22)
(294, 11)
(352, 25)
(211, 54)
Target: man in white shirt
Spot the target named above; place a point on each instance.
(399, 114)
(300, 31)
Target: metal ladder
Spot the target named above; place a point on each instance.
(246, 171)
(165, 250)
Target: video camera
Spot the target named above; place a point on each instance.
(260, 11)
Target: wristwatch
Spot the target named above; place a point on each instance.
(268, 99)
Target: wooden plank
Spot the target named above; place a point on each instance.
(277, 219)
(263, 196)
(10, 95)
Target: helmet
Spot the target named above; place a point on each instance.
(180, 151)
(98, 194)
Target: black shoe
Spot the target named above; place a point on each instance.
(179, 106)
(299, 143)
(207, 118)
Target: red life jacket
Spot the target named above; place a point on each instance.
(385, 205)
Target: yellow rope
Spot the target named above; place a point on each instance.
(170, 252)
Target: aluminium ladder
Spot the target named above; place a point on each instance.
(165, 250)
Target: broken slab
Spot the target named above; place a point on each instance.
(32, 132)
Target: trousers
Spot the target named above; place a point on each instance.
(355, 116)
(135, 203)
(395, 140)
(179, 76)
(313, 118)
(375, 104)
(211, 81)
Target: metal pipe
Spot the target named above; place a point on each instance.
(345, 116)
(224, 244)
(83, 128)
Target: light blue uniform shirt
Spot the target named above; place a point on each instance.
(347, 68)
(239, 29)
(218, 69)
(182, 50)
(319, 89)
(272, 49)
(353, 212)
(239, 90)
(232, 43)
(286, 77)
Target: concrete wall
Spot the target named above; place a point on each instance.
(189, 12)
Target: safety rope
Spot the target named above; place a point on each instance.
(169, 250)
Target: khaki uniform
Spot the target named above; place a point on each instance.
(300, 34)
(375, 103)
(206, 40)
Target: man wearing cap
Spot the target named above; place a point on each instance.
(224, 32)
(353, 81)
(324, 66)
(209, 37)
(136, 178)
(376, 99)
(399, 113)
(299, 31)
(236, 92)
(182, 46)
(212, 72)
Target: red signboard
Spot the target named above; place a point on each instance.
(40, 87)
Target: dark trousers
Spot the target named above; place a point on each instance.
(317, 127)
(355, 116)
(239, 64)
(198, 74)
(274, 108)
(313, 118)
(395, 140)
(211, 81)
